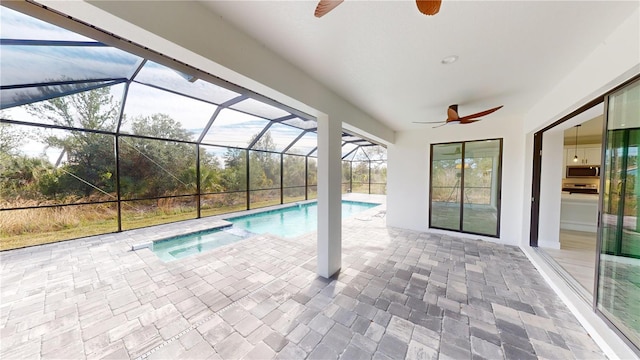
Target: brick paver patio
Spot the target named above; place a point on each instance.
(400, 294)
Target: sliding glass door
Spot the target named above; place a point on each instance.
(618, 296)
(465, 186)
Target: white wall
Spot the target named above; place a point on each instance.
(408, 181)
(408, 174)
(552, 155)
(612, 62)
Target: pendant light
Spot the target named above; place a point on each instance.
(575, 154)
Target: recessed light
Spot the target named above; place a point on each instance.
(449, 59)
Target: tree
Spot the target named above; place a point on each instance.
(210, 173)
(312, 171)
(264, 166)
(94, 109)
(159, 126)
(152, 168)
(90, 156)
(10, 139)
(293, 170)
(375, 152)
(20, 176)
(234, 176)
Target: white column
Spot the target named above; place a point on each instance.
(329, 196)
(550, 189)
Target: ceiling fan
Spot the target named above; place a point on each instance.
(427, 7)
(452, 115)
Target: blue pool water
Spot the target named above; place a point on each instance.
(286, 222)
(292, 221)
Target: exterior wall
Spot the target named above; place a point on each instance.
(408, 174)
(612, 62)
(549, 234)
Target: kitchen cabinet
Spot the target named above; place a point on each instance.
(587, 155)
(579, 212)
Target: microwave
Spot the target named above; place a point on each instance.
(584, 171)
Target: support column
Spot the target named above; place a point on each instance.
(329, 196)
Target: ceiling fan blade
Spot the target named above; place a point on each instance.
(482, 113)
(324, 6)
(468, 121)
(429, 7)
(440, 125)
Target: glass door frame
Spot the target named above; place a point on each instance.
(461, 186)
(596, 294)
(536, 190)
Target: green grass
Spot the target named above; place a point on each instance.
(29, 227)
(87, 228)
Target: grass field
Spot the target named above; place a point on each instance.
(27, 227)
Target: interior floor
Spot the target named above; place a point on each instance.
(577, 255)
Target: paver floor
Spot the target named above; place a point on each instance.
(400, 294)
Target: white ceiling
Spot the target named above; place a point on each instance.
(384, 56)
(589, 132)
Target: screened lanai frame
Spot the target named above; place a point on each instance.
(370, 167)
(57, 53)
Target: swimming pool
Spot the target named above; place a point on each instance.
(285, 222)
(292, 221)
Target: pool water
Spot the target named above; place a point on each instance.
(287, 222)
(182, 246)
(292, 221)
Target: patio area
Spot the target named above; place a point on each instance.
(400, 294)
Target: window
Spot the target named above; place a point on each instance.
(465, 186)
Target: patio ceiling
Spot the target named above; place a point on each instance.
(385, 57)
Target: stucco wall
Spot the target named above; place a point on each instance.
(611, 63)
(408, 174)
